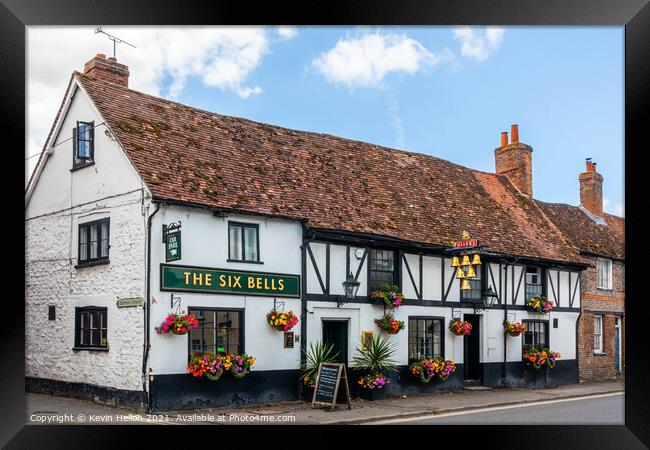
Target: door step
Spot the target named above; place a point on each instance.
(478, 388)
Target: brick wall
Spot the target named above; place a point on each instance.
(515, 161)
(610, 304)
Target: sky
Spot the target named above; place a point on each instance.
(444, 91)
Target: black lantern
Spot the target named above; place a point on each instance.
(350, 287)
(489, 298)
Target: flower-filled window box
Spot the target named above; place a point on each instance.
(282, 320)
(429, 368)
(513, 329)
(540, 304)
(389, 324)
(213, 366)
(538, 359)
(178, 324)
(372, 386)
(460, 327)
(389, 295)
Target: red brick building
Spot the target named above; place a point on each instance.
(600, 238)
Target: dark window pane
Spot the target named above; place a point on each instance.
(104, 240)
(425, 338)
(382, 268)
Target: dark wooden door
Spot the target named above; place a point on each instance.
(336, 333)
(472, 349)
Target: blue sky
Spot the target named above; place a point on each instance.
(442, 91)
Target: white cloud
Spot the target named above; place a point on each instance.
(287, 32)
(365, 61)
(221, 57)
(479, 45)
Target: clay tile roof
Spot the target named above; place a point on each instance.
(585, 233)
(193, 156)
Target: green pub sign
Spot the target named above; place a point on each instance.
(173, 246)
(222, 281)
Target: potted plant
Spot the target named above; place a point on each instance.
(318, 354)
(460, 328)
(540, 304)
(389, 295)
(388, 324)
(212, 366)
(513, 329)
(178, 324)
(376, 358)
(428, 368)
(281, 320)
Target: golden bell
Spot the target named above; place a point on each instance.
(476, 260)
(464, 285)
(460, 274)
(470, 273)
(454, 262)
(465, 261)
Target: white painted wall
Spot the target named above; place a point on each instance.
(205, 244)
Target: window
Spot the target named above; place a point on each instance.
(425, 338)
(598, 334)
(219, 331)
(51, 312)
(533, 282)
(474, 293)
(83, 138)
(604, 268)
(381, 268)
(93, 242)
(90, 327)
(243, 242)
(536, 334)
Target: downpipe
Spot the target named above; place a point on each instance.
(147, 314)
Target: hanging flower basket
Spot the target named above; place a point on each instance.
(390, 295)
(460, 328)
(281, 320)
(389, 324)
(239, 365)
(540, 304)
(538, 359)
(178, 324)
(213, 366)
(429, 368)
(513, 329)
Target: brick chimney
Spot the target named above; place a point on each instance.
(515, 160)
(591, 189)
(107, 69)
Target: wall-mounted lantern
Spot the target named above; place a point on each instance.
(350, 287)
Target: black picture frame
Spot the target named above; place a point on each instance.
(634, 15)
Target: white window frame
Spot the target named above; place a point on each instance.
(606, 283)
(598, 333)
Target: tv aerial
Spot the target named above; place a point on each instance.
(115, 39)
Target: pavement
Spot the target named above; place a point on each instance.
(45, 409)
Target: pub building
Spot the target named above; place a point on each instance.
(140, 207)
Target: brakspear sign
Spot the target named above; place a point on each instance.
(221, 281)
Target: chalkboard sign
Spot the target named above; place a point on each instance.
(327, 385)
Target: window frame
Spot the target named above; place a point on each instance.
(77, 162)
(482, 273)
(78, 345)
(442, 321)
(242, 226)
(599, 350)
(395, 272)
(242, 323)
(547, 331)
(99, 259)
(610, 271)
(542, 284)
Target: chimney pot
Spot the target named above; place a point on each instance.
(504, 138)
(514, 133)
(100, 56)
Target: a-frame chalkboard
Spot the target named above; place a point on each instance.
(328, 381)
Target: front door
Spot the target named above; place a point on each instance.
(472, 349)
(336, 333)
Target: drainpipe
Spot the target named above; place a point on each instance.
(147, 315)
(303, 301)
